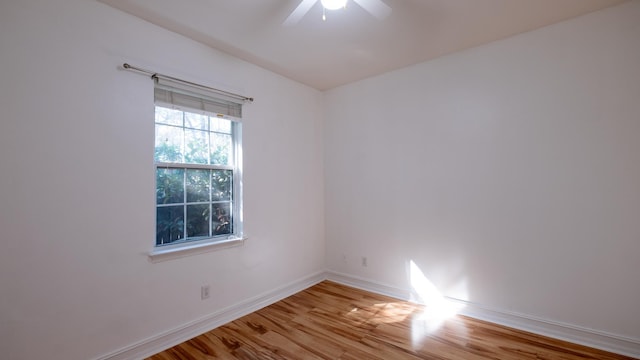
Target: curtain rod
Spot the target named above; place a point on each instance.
(155, 75)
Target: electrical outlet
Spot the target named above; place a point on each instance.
(364, 261)
(205, 292)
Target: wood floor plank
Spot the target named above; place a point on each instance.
(331, 321)
(304, 341)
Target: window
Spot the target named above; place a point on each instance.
(197, 160)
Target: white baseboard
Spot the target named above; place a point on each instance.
(190, 330)
(575, 334)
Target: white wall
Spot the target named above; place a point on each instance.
(77, 183)
(509, 173)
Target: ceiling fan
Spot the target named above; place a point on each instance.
(376, 8)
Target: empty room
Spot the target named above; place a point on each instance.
(320, 179)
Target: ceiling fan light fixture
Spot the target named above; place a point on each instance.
(333, 4)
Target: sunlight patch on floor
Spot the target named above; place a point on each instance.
(437, 307)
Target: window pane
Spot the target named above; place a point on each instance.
(169, 186)
(221, 125)
(196, 147)
(221, 149)
(169, 224)
(196, 121)
(222, 222)
(193, 202)
(168, 116)
(198, 183)
(197, 220)
(168, 143)
(221, 185)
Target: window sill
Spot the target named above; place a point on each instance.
(174, 252)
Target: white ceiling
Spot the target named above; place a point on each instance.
(351, 44)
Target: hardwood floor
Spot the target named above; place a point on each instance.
(332, 321)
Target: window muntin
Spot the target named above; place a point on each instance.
(196, 175)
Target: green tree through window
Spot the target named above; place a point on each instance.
(195, 164)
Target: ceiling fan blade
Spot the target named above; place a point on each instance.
(300, 11)
(376, 8)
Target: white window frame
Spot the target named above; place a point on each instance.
(236, 237)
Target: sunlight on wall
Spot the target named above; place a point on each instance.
(437, 308)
